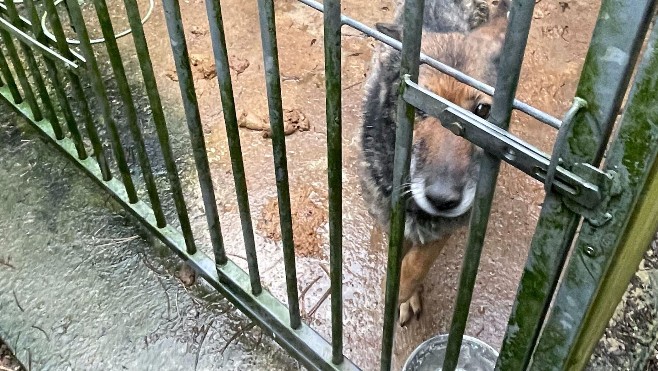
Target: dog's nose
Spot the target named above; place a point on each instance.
(442, 198)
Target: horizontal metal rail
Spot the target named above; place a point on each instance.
(26, 25)
(502, 144)
(458, 75)
(30, 41)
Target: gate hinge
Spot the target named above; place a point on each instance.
(585, 187)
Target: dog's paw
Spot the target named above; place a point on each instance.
(410, 308)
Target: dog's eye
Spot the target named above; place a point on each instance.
(421, 113)
(482, 110)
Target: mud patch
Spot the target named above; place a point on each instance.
(308, 215)
(293, 121)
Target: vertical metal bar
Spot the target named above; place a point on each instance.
(132, 10)
(101, 98)
(50, 113)
(511, 59)
(129, 109)
(332, 62)
(11, 83)
(186, 84)
(409, 65)
(78, 92)
(573, 321)
(214, 12)
(57, 84)
(20, 73)
(619, 30)
(272, 77)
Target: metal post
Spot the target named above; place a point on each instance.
(409, 65)
(620, 28)
(511, 59)
(273, 83)
(191, 105)
(151, 87)
(78, 92)
(129, 109)
(101, 97)
(332, 55)
(606, 256)
(214, 11)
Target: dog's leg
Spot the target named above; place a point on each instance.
(415, 265)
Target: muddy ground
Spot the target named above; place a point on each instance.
(556, 50)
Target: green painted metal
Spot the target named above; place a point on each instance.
(511, 59)
(151, 88)
(78, 92)
(214, 11)
(332, 55)
(409, 67)
(617, 38)
(11, 83)
(40, 47)
(264, 309)
(101, 97)
(20, 73)
(129, 109)
(191, 105)
(57, 85)
(273, 85)
(631, 156)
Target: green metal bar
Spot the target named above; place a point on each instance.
(306, 345)
(332, 54)
(273, 82)
(11, 83)
(186, 84)
(409, 65)
(129, 109)
(50, 113)
(619, 30)
(214, 12)
(146, 66)
(632, 156)
(57, 84)
(509, 69)
(78, 92)
(101, 97)
(20, 73)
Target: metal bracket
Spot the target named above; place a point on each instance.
(583, 185)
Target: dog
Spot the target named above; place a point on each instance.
(444, 167)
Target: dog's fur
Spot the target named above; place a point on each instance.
(459, 34)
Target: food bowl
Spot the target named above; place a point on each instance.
(475, 355)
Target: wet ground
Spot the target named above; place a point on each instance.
(81, 288)
(556, 50)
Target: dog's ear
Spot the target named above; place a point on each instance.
(390, 29)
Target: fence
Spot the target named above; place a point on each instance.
(614, 204)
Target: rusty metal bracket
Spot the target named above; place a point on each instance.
(582, 185)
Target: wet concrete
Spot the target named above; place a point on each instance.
(560, 34)
(81, 287)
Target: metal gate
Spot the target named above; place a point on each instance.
(571, 282)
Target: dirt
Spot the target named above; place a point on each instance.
(7, 360)
(308, 216)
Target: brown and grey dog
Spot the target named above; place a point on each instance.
(444, 167)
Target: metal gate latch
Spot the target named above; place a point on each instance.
(585, 187)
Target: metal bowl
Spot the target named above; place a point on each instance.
(475, 355)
